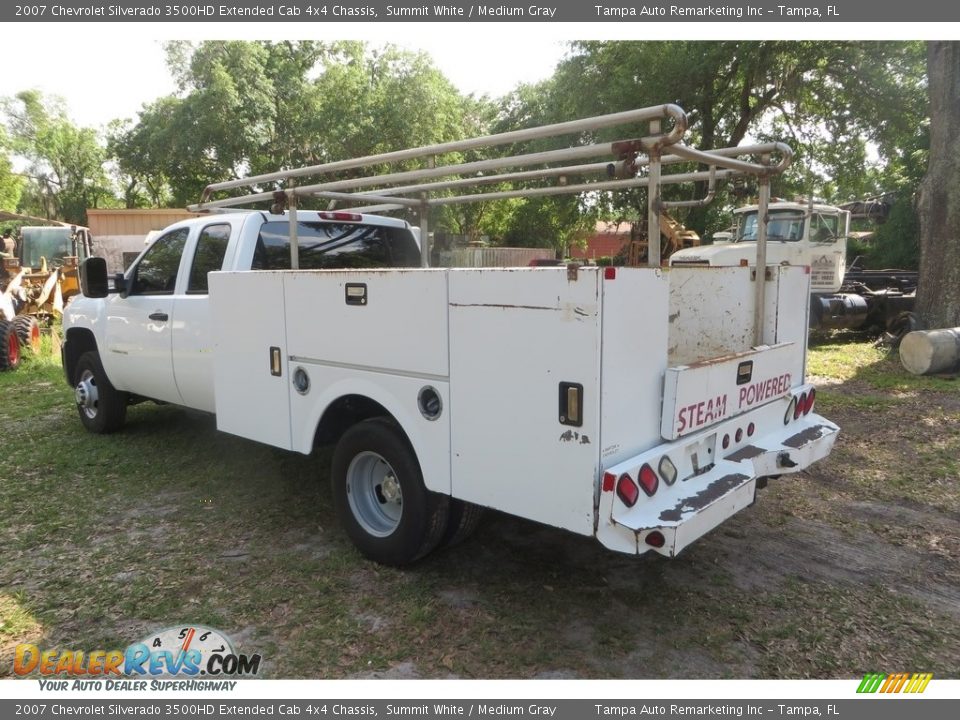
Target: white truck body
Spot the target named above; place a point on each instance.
(495, 344)
(642, 406)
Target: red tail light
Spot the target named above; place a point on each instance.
(811, 399)
(627, 490)
(655, 539)
(739, 436)
(648, 480)
(348, 216)
(801, 404)
(751, 429)
(609, 482)
(609, 273)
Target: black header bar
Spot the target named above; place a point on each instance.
(540, 11)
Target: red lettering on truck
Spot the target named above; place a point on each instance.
(702, 413)
(764, 390)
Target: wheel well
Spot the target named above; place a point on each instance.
(343, 413)
(78, 341)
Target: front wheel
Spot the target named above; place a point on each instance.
(28, 330)
(9, 346)
(102, 408)
(379, 495)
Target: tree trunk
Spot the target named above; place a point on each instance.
(938, 295)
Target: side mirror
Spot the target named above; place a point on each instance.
(93, 278)
(120, 284)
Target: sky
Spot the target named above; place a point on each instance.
(106, 77)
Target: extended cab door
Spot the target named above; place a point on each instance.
(192, 333)
(138, 336)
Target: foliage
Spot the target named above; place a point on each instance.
(836, 103)
(249, 108)
(66, 163)
(11, 184)
(894, 243)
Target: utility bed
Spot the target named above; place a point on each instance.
(502, 348)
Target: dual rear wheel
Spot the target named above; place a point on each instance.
(380, 497)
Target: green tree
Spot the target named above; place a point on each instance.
(853, 112)
(248, 108)
(66, 163)
(11, 184)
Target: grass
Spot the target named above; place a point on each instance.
(105, 539)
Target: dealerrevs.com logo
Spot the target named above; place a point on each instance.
(183, 652)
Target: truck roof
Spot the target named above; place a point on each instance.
(302, 216)
(787, 205)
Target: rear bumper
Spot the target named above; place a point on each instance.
(711, 484)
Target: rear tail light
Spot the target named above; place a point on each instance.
(739, 436)
(668, 471)
(627, 490)
(798, 408)
(655, 539)
(791, 409)
(726, 441)
(751, 429)
(609, 482)
(648, 480)
(348, 216)
(609, 273)
(811, 399)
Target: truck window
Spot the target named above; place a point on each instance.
(156, 273)
(825, 228)
(326, 246)
(783, 225)
(208, 257)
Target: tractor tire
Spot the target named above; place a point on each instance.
(102, 408)
(28, 330)
(380, 498)
(9, 346)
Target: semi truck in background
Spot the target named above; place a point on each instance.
(814, 234)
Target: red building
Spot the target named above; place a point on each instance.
(607, 240)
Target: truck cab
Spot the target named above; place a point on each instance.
(798, 234)
(154, 334)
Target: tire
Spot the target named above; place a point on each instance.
(899, 327)
(9, 346)
(463, 521)
(28, 330)
(102, 408)
(380, 498)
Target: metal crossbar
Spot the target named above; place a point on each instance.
(375, 184)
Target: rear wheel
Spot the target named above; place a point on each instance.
(463, 521)
(9, 346)
(102, 408)
(28, 330)
(379, 495)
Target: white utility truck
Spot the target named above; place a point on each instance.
(643, 406)
(815, 234)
